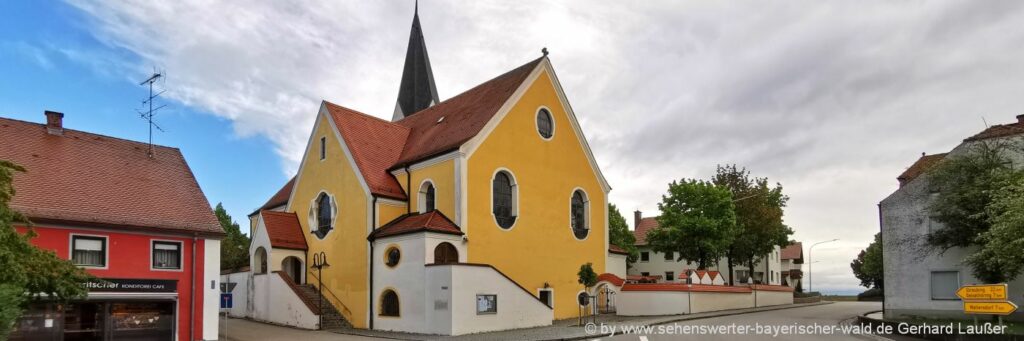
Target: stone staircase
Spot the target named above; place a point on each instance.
(332, 319)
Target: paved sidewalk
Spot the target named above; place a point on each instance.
(234, 329)
(566, 329)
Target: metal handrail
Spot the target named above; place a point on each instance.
(345, 310)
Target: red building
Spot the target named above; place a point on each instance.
(133, 217)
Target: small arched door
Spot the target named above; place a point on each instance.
(445, 253)
(292, 266)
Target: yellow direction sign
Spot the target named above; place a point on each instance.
(992, 308)
(987, 292)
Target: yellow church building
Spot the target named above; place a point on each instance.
(458, 216)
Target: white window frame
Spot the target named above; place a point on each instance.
(515, 198)
(586, 213)
(421, 196)
(323, 147)
(181, 254)
(106, 250)
(959, 283)
(314, 224)
(551, 296)
(536, 127)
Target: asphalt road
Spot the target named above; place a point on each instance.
(805, 323)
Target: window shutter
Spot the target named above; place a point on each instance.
(88, 245)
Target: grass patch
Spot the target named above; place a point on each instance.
(839, 298)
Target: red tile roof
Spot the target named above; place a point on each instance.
(378, 145)
(683, 287)
(284, 230)
(611, 278)
(89, 179)
(1000, 130)
(433, 221)
(920, 166)
(280, 198)
(375, 145)
(615, 249)
(464, 116)
(640, 231)
(793, 251)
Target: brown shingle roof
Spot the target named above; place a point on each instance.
(433, 221)
(920, 166)
(284, 230)
(378, 145)
(615, 249)
(464, 116)
(1000, 130)
(90, 179)
(793, 251)
(279, 198)
(640, 231)
(375, 145)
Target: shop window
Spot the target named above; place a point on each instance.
(166, 255)
(446, 253)
(503, 194)
(486, 304)
(579, 214)
(389, 304)
(89, 251)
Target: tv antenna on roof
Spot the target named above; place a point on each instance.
(148, 114)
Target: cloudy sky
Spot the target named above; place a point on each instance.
(833, 100)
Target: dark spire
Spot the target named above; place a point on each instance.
(417, 90)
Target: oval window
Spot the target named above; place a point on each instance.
(392, 257)
(545, 125)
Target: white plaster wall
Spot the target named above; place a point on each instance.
(650, 303)
(714, 301)
(438, 300)
(657, 265)
(260, 239)
(616, 265)
(907, 270)
(211, 288)
(240, 295)
(768, 298)
(516, 308)
(274, 301)
(406, 279)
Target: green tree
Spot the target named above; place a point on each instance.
(587, 276)
(234, 250)
(620, 235)
(966, 187)
(1001, 245)
(28, 272)
(867, 267)
(697, 222)
(758, 208)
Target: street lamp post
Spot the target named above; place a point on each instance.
(319, 263)
(810, 264)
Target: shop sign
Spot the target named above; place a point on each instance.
(131, 285)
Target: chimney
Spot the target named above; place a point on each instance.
(636, 219)
(54, 123)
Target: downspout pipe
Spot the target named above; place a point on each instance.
(192, 294)
(373, 224)
(408, 189)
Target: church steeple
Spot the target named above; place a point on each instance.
(417, 90)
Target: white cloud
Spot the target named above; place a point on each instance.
(833, 99)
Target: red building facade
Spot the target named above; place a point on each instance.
(135, 219)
